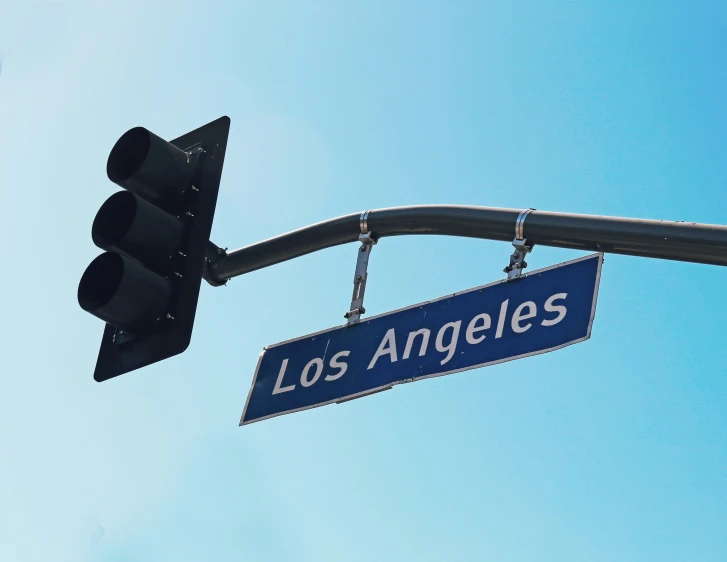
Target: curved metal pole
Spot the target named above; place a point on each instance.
(690, 242)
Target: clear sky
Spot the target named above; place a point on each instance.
(613, 449)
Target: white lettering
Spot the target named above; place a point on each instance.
(549, 307)
(304, 380)
(501, 319)
(338, 365)
(386, 347)
(424, 333)
(452, 345)
(518, 316)
(473, 327)
(278, 389)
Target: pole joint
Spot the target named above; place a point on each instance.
(214, 255)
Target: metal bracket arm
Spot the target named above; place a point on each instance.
(359, 279)
(517, 259)
(361, 273)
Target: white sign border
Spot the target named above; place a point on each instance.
(599, 256)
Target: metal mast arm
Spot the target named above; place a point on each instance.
(690, 242)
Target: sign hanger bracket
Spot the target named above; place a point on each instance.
(361, 273)
(517, 260)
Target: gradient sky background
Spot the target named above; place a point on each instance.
(614, 449)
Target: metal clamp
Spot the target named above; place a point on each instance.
(520, 224)
(360, 275)
(364, 222)
(522, 248)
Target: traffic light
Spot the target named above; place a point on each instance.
(146, 284)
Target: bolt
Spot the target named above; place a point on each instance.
(219, 251)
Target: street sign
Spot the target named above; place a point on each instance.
(546, 310)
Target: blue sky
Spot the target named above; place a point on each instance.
(613, 449)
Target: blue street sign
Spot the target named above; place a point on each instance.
(543, 311)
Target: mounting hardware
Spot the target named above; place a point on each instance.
(520, 224)
(360, 275)
(364, 222)
(517, 259)
(522, 248)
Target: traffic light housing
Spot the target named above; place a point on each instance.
(146, 284)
